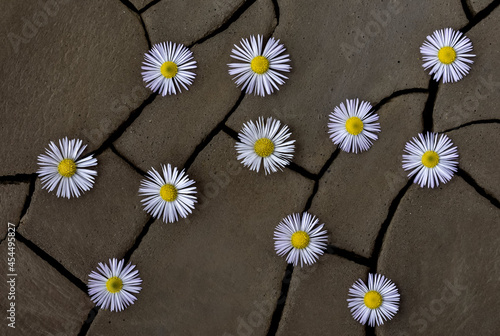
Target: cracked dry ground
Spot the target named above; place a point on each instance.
(216, 273)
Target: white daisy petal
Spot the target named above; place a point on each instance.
(430, 159)
(300, 239)
(166, 68)
(111, 288)
(259, 73)
(375, 303)
(264, 143)
(168, 197)
(446, 54)
(61, 168)
(353, 126)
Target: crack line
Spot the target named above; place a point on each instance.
(276, 7)
(280, 303)
(322, 171)
(219, 127)
(231, 132)
(138, 240)
(16, 179)
(349, 255)
(52, 262)
(148, 6)
(232, 18)
(428, 113)
(127, 161)
(481, 15)
(146, 33)
(396, 94)
(467, 9)
(301, 171)
(27, 201)
(59, 268)
(125, 124)
(90, 318)
(480, 190)
(130, 6)
(379, 241)
(475, 122)
(134, 10)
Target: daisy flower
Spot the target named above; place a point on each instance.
(259, 71)
(300, 238)
(264, 142)
(111, 287)
(168, 196)
(61, 168)
(446, 51)
(353, 127)
(376, 303)
(433, 160)
(167, 68)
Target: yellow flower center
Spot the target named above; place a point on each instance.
(354, 125)
(430, 159)
(447, 55)
(168, 69)
(373, 299)
(67, 168)
(259, 64)
(168, 192)
(263, 147)
(300, 240)
(114, 285)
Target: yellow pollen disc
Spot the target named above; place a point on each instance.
(263, 147)
(300, 240)
(354, 125)
(168, 69)
(447, 55)
(259, 64)
(168, 192)
(430, 159)
(67, 168)
(373, 299)
(114, 285)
